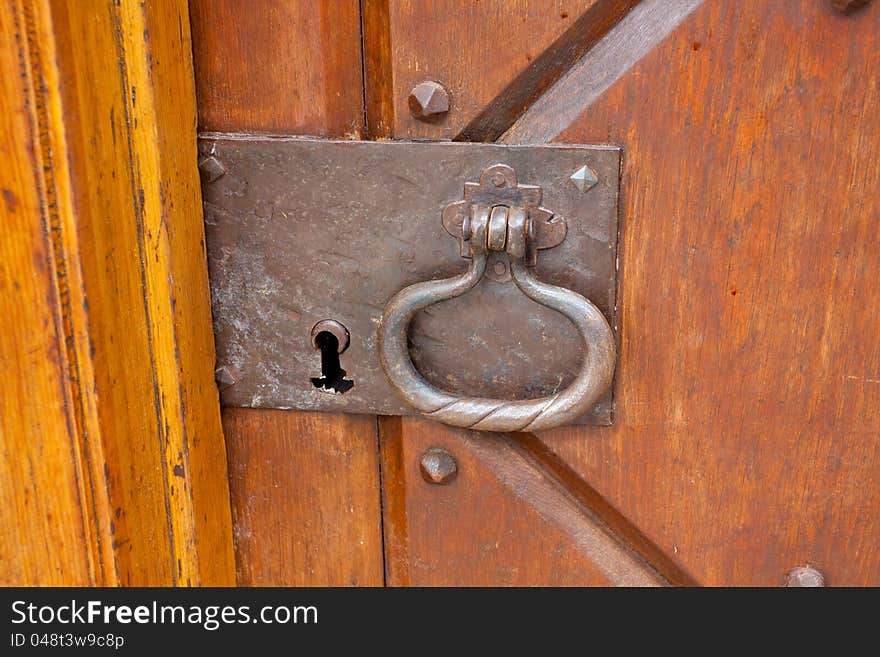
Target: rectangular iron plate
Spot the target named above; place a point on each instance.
(300, 230)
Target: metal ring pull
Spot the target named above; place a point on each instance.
(515, 230)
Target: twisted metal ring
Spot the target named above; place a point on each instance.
(486, 414)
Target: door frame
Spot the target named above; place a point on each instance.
(114, 459)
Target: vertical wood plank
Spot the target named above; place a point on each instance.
(107, 94)
(379, 101)
(305, 486)
(493, 527)
(745, 442)
(305, 498)
(279, 67)
(163, 117)
(492, 57)
(504, 519)
(48, 523)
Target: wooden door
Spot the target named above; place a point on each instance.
(744, 435)
(744, 438)
(747, 390)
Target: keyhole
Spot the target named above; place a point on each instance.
(332, 377)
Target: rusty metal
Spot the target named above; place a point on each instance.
(804, 577)
(584, 178)
(210, 169)
(302, 230)
(224, 378)
(438, 466)
(501, 229)
(428, 101)
(336, 329)
(498, 186)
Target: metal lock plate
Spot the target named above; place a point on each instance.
(303, 230)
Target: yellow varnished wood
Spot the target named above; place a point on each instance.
(113, 460)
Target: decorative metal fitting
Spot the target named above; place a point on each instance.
(304, 230)
(584, 178)
(210, 168)
(499, 214)
(224, 378)
(438, 466)
(335, 329)
(497, 195)
(804, 577)
(848, 6)
(428, 101)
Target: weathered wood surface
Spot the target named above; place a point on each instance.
(113, 458)
(304, 486)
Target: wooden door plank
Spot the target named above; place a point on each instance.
(741, 446)
(305, 498)
(745, 436)
(504, 520)
(305, 488)
(105, 197)
(492, 57)
(514, 518)
(507, 520)
(279, 67)
(49, 520)
(610, 58)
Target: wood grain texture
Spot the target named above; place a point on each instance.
(305, 498)
(505, 520)
(745, 441)
(306, 508)
(581, 35)
(104, 102)
(51, 516)
(517, 516)
(611, 57)
(279, 67)
(492, 57)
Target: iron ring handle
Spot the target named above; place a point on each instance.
(481, 413)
